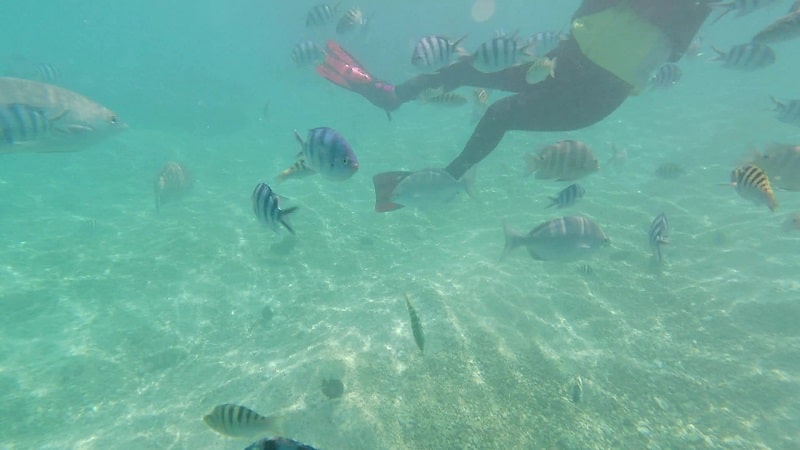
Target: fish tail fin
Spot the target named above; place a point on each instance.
(513, 239)
(275, 424)
(296, 170)
(385, 184)
(285, 215)
(720, 54)
(553, 202)
(532, 162)
(468, 181)
(455, 43)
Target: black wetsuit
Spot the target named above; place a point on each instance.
(582, 94)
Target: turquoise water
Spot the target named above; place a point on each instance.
(121, 328)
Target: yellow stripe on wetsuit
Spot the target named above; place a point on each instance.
(622, 42)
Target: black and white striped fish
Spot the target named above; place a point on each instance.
(785, 28)
(351, 20)
(278, 443)
(752, 183)
(434, 52)
(438, 97)
(741, 7)
(746, 57)
(788, 111)
(568, 196)
(22, 123)
(321, 14)
(666, 76)
(238, 421)
(267, 208)
(499, 53)
(545, 42)
(326, 152)
(307, 53)
(658, 234)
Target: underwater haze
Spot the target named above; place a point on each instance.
(122, 326)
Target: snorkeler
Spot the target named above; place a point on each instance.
(614, 46)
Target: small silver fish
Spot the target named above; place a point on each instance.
(659, 231)
(426, 188)
(172, 182)
(784, 29)
(239, 421)
(568, 196)
(416, 325)
(576, 390)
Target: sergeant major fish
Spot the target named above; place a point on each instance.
(307, 52)
(325, 152)
(239, 421)
(788, 111)
(353, 19)
(742, 6)
(565, 238)
(564, 161)
(321, 14)
(499, 53)
(172, 182)
(658, 233)
(423, 189)
(434, 52)
(752, 183)
(39, 117)
(782, 164)
(666, 76)
(541, 69)
(568, 196)
(746, 57)
(267, 208)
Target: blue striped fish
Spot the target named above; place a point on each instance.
(434, 52)
(787, 111)
(307, 53)
(746, 57)
(659, 231)
(267, 208)
(568, 196)
(321, 14)
(501, 52)
(40, 117)
(325, 152)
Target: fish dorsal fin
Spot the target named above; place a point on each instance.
(299, 138)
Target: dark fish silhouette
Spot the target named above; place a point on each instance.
(278, 443)
(416, 326)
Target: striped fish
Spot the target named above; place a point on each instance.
(267, 208)
(499, 53)
(742, 7)
(172, 182)
(659, 231)
(545, 42)
(352, 20)
(321, 14)
(434, 52)
(746, 57)
(481, 97)
(416, 326)
(666, 76)
(752, 183)
(562, 239)
(239, 421)
(795, 7)
(541, 69)
(325, 152)
(785, 28)
(563, 161)
(307, 53)
(788, 111)
(437, 97)
(39, 117)
(568, 196)
(278, 443)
